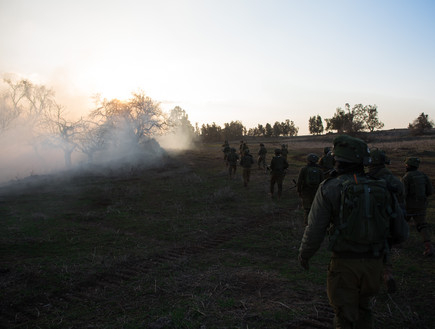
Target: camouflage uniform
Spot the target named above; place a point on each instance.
(278, 167)
(246, 162)
(284, 151)
(307, 192)
(226, 150)
(416, 204)
(326, 162)
(243, 147)
(378, 170)
(354, 273)
(262, 157)
(232, 162)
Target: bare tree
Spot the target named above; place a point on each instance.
(137, 119)
(60, 132)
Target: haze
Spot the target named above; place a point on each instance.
(247, 60)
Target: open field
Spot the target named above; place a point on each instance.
(178, 245)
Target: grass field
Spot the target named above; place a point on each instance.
(179, 245)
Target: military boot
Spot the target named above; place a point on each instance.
(428, 249)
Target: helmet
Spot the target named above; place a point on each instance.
(278, 151)
(378, 157)
(246, 151)
(326, 149)
(351, 149)
(413, 162)
(261, 144)
(313, 158)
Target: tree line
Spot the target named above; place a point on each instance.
(129, 124)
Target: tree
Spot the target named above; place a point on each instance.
(61, 133)
(233, 130)
(133, 121)
(179, 122)
(421, 124)
(211, 133)
(293, 130)
(337, 122)
(372, 120)
(268, 130)
(354, 120)
(8, 112)
(89, 138)
(315, 125)
(276, 129)
(42, 117)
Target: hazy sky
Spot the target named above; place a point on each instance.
(256, 61)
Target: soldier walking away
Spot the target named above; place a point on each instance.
(417, 189)
(326, 161)
(226, 150)
(278, 167)
(377, 170)
(232, 163)
(246, 162)
(342, 207)
(242, 147)
(310, 176)
(284, 151)
(262, 157)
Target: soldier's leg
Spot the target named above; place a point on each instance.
(279, 182)
(371, 279)
(272, 184)
(343, 292)
(245, 177)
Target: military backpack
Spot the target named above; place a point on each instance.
(367, 210)
(313, 176)
(417, 185)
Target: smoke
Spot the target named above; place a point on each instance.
(51, 140)
(24, 154)
(178, 140)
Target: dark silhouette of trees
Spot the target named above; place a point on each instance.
(421, 125)
(211, 133)
(234, 130)
(355, 119)
(315, 125)
(179, 122)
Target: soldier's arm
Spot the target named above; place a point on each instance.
(319, 220)
(300, 180)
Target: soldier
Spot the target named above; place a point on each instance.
(262, 157)
(242, 147)
(226, 150)
(246, 162)
(326, 162)
(278, 167)
(417, 189)
(284, 151)
(232, 163)
(310, 176)
(378, 170)
(356, 266)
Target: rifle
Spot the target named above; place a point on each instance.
(292, 187)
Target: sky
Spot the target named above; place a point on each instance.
(256, 61)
